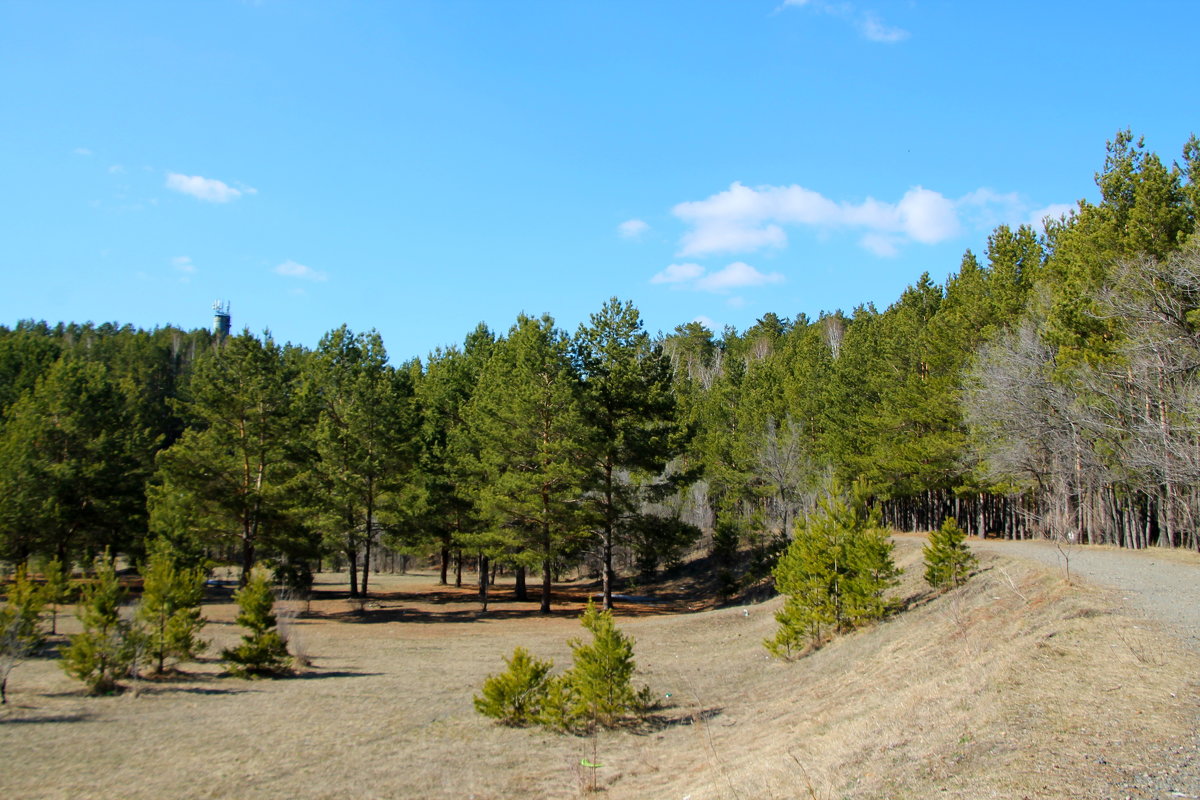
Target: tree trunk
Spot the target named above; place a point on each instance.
(445, 565)
(522, 593)
(483, 581)
(546, 585)
(366, 564)
(352, 558)
(458, 564)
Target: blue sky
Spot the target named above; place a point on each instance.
(419, 167)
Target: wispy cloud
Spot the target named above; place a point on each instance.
(874, 29)
(632, 228)
(868, 24)
(290, 269)
(678, 273)
(208, 189)
(738, 275)
(82, 151)
(183, 264)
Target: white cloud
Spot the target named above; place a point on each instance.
(881, 244)
(290, 269)
(183, 264)
(632, 228)
(116, 169)
(874, 29)
(736, 302)
(868, 23)
(209, 189)
(81, 151)
(927, 216)
(1037, 219)
(706, 322)
(678, 273)
(736, 276)
(743, 219)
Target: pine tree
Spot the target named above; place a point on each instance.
(106, 649)
(516, 696)
(526, 420)
(20, 626)
(262, 653)
(55, 590)
(631, 408)
(600, 682)
(948, 561)
(227, 477)
(834, 573)
(170, 608)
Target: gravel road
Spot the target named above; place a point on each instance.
(1163, 585)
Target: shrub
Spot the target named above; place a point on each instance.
(597, 690)
(20, 627)
(23, 610)
(948, 561)
(516, 696)
(170, 608)
(55, 590)
(262, 653)
(107, 647)
(834, 573)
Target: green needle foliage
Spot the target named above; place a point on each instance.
(170, 609)
(55, 590)
(516, 696)
(948, 561)
(597, 691)
(834, 573)
(23, 610)
(262, 653)
(106, 649)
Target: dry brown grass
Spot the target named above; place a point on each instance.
(1013, 686)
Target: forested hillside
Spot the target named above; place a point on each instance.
(1049, 387)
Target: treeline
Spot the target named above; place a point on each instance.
(1048, 388)
(537, 449)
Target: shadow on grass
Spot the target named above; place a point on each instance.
(49, 718)
(319, 675)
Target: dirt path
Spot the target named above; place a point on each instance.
(1162, 584)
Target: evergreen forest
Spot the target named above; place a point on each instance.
(1048, 387)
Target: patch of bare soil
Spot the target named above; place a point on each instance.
(1016, 685)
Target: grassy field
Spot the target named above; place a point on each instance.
(1014, 686)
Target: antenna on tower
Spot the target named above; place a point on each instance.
(221, 319)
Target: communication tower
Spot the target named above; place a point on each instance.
(220, 326)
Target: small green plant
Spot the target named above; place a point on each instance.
(55, 590)
(170, 609)
(948, 561)
(596, 692)
(20, 627)
(107, 647)
(834, 573)
(517, 695)
(24, 607)
(599, 684)
(262, 652)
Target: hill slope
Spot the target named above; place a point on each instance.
(1014, 686)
